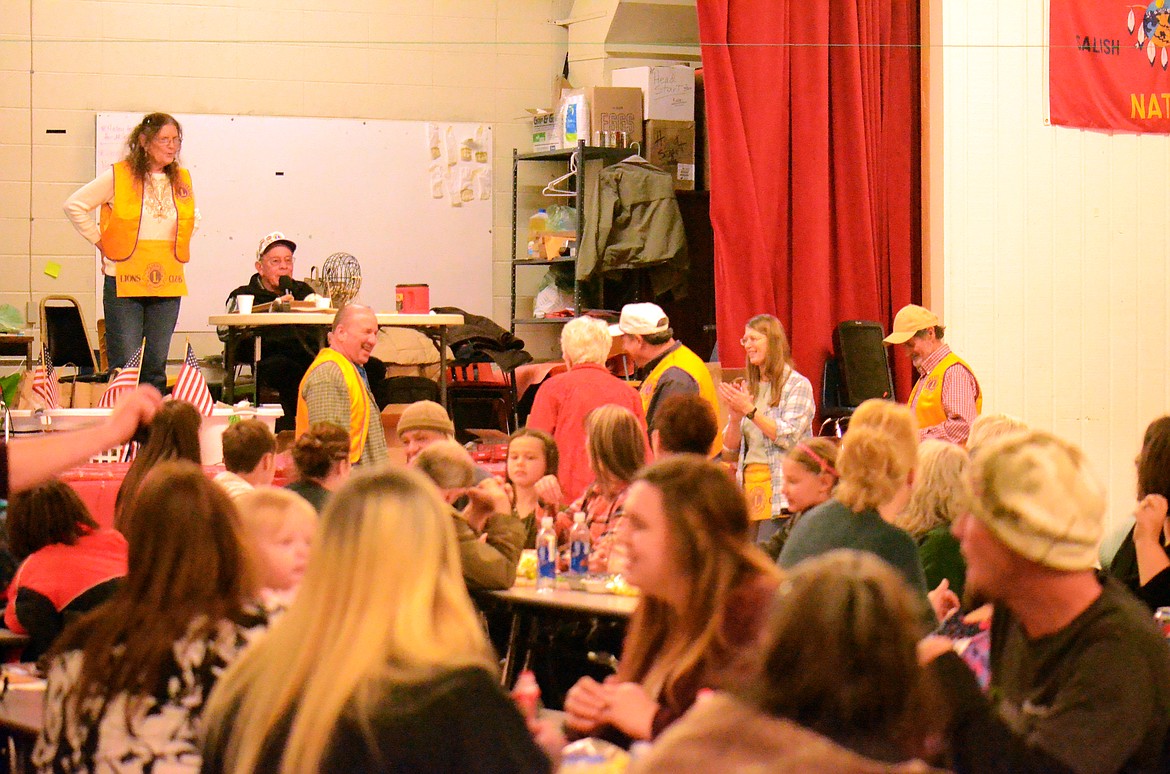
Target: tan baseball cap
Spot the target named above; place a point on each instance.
(909, 320)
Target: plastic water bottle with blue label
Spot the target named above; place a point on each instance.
(579, 542)
(546, 556)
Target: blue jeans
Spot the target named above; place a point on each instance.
(130, 319)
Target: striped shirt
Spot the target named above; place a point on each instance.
(958, 399)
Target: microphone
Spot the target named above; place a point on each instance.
(285, 284)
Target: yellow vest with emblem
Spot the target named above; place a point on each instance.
(926, 397)
(359, 407)
(688, 361)
(147, 267)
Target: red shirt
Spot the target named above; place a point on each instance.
(560, 408)
(60, 573)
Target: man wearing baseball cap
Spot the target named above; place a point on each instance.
(946, 399)
(667, 367)
(1080, 675)
(286, 350)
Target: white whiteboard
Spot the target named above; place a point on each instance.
(368, 188)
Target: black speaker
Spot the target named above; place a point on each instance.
(864, 367)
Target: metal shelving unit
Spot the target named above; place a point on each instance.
(582, 154)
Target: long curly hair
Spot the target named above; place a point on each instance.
(143, 135)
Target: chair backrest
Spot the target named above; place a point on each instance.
(65, 334)
(483, 374)
(622, 366)
(406, 389)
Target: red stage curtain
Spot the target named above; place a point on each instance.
(813, 124)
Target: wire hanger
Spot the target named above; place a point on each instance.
(551, 188)
(634, 156)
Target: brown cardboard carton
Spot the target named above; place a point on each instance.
(613, 109)
(668, 92)
(670, 145)
(390, 416)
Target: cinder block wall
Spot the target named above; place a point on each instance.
(61, 61)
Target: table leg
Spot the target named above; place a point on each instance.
(443, 367)
(229, 366)
(507, 673)
(256, 353)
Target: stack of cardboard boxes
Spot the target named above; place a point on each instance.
(652, 106)
(668, 105)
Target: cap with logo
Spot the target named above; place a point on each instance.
(275, 238)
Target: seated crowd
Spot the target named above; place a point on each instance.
(887, 603)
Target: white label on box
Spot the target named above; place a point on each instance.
(686, 172)
(668, 93)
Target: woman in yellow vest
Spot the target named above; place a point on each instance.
(148, 215)
(766, 417)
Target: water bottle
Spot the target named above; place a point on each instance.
(537, 225)
(546, 556)
(579, 546)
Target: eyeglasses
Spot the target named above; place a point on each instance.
(170, 142)
(752, 340)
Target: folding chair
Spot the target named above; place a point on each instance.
(66, 338)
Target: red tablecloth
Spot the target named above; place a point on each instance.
(97, 484)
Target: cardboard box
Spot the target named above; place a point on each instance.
(615, 110)
(668, 93)
(670, 145)
(546, 131)
(390, 416)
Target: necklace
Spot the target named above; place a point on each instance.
(159, 201)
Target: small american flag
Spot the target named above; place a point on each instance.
(191, 386)
(44, 383)
(127, 379)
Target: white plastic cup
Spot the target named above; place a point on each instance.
(322, 302)
(244, 304)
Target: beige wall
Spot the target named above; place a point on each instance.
(61, 61)
(1054, 276)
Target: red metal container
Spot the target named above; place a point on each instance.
(413, 299)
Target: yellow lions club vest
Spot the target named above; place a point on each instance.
(146, 267)
(359, 407)
(926, 397)
(688, 361)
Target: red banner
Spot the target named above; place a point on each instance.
(1109, 65)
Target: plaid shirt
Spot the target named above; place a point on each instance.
(328, 401)
(793, 416)
(958, 399)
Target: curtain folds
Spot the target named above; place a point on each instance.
(813, 125)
